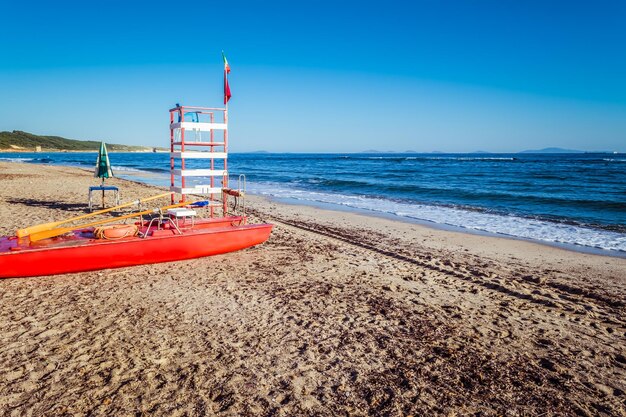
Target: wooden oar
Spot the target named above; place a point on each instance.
(62, 230)
(48, 226)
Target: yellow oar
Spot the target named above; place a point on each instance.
(62, 230)
(48, 226)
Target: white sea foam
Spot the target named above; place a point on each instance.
(484, 159)
(487, 222)
(126, 169)
(466, 158)
(451, 158)
(16, 159)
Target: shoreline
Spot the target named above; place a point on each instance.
(439, 238)
(450, 228)
(337, 313)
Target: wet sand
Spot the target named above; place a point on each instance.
(337, 314)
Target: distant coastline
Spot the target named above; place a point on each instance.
(46, 150)
(19, 142)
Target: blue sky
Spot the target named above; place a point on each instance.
(323, 76)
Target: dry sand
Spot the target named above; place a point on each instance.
(337, 314)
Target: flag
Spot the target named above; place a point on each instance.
(226, 66)
(227, 94)
(226, 88)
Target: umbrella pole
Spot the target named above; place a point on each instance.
(102, 192)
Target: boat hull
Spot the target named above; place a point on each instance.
(76, 255)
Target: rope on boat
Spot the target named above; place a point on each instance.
(116, 231)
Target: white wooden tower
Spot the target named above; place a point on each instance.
(200, 134)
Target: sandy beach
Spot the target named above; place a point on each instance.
(337, 314)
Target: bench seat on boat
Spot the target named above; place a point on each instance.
(182, 213)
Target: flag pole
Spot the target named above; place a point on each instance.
(226, 98)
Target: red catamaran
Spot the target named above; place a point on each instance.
(81, 250)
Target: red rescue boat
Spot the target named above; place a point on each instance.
(82, 251)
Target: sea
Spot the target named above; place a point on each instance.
(572, 200)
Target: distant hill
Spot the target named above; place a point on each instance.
(552, 150)
(24, 141)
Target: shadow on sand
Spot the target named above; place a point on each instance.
(77, 208)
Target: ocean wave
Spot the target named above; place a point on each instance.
(17, 159)
(125, 169)
(157, 170)
(484, 159)
(143, 173)
(508, 225)
(462, 158)
(431, 158)
(614, 160)
(387, 158)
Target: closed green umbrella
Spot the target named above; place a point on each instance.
(103, 166)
